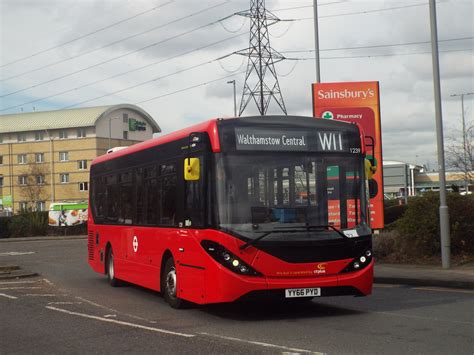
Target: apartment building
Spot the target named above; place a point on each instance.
(46, 156)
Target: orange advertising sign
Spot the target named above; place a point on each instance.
(357, 102)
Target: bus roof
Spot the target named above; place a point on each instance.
(210, 127)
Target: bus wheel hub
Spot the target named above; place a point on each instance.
(171, 282)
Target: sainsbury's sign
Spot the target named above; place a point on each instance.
(345, 94)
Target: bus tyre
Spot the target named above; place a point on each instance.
(110, 269)
(169, 281)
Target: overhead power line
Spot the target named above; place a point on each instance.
(363, 12)
(222, 78)
(378, 45)
(114, 58)
(87, 34)
(307, 6)
(124, 73)
(384, 55)
(149, 81)
(114, 42)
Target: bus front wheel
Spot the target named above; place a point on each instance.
(110, 269)
(169, 288)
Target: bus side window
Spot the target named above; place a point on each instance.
(126, 198)
(139, 212)
(169, 199)
(99, 194)
(112, 200)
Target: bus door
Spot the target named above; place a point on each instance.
(191, 260)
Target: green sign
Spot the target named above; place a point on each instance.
(328, 115)
(7, 201)
(135, 125)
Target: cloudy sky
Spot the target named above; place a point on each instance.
(172, 59)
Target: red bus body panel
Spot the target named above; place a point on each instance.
(201, 278)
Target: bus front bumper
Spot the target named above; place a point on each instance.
(225, 286)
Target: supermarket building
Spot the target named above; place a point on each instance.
(45, 156)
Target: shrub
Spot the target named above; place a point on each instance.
(393, 213)
(418, 228)
(5, 227)
(28, 224)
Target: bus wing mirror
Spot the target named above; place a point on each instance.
(369, 169)
(191, 169)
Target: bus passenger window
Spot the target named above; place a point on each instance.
(169, 199)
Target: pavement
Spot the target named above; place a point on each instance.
(414, 275)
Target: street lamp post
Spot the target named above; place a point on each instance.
(316, 40)
(443, 207)
(235, 97)
(464, 147)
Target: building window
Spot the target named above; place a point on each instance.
(23, 206)
(64, 178)
(21, 137)
(1, 181)
(1, 138)
(39, 157)
(39, 136)
(81, 132)
(125, 135)
(63, 134)
(83, 186)
(82, 164)
(1, 159)
(22, 159)
(40, 179)
(125, 118)
(40, 206)
(22, 180)
(63, 156)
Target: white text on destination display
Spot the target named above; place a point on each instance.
(284, 140)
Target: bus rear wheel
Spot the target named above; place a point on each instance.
(169, 285)
(110, 269)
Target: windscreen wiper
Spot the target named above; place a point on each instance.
(285, 230)
(319, 226)
(328, 226)
(254, 241)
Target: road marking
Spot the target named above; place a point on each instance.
(17, 253)
(40, 295)
(387, 286)
(108, 320)
(110, 316)
(442, 289)
(267, 345)
(113, 310)
(18, 282)
(48, 282)
(8, 296)
(19, 288)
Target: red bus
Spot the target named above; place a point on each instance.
(235, 208)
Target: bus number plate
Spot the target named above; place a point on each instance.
(302, 292)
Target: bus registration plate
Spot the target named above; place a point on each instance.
(302, 292)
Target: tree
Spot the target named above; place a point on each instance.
(460, 153)
(35, 189)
